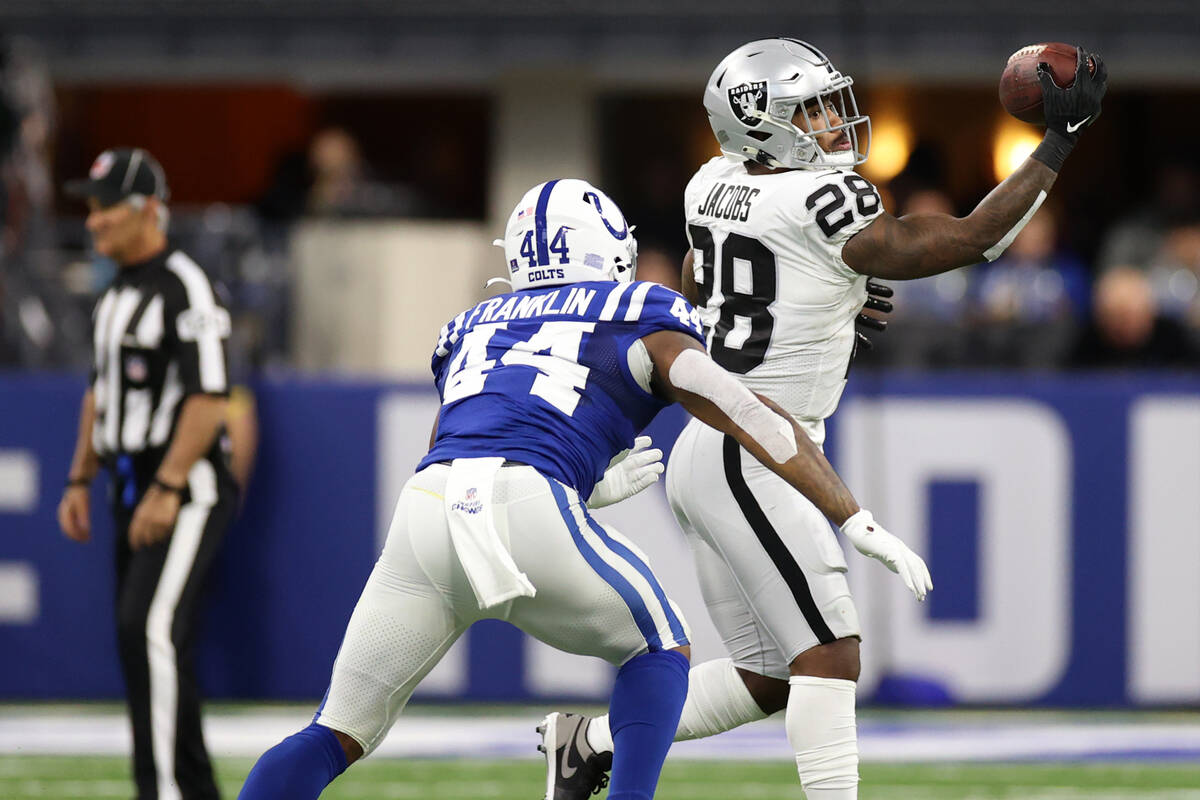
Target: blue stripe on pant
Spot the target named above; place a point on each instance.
(642, 567)
(633, 599)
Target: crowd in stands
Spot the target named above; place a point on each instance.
(1039, 306)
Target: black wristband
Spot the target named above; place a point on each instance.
(166, 487)
(78, 482)
(1054, 149)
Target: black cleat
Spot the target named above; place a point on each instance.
(574, 771)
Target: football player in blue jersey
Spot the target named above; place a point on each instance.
(543, 390)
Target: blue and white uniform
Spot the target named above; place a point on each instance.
(540, 389)
(542, 376)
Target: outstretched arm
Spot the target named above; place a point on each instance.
(918, 245)
(762, 427)
(685, 373)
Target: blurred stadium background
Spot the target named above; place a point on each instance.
(1033, 426)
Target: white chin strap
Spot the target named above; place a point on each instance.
(766, 159)
(693, 371)
(842, 158)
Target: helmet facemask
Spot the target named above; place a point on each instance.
(838, 102)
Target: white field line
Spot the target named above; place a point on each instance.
(1018, 792)
(243, 734)
(62, 789)
(69, 789)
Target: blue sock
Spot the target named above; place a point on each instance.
(647, 699)
(298, 768)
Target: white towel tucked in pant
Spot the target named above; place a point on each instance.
(490, 568)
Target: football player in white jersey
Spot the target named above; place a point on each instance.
(784, 235)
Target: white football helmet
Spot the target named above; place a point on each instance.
(567, 231)
(754, 92)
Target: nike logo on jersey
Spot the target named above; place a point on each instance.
(1072, 128)
(729, 201)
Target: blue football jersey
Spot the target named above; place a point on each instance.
(541, 376)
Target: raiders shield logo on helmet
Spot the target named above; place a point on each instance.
(747, 98)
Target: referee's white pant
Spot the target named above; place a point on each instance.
(596, 595)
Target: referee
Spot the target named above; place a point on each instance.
(153, 415)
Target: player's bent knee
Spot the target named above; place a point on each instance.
(837, 659)
(771, 694)
(684, 650)
(352, 749)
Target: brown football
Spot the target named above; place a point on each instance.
(1020, 92)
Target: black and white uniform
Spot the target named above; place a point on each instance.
(158, 336)
(778, 303)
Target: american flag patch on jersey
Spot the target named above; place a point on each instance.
(594, 261)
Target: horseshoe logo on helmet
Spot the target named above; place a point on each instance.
(619, 235)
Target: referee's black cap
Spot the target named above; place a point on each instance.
(116, 174)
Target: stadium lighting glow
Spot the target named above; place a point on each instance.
(891, 144)
(1013, 143)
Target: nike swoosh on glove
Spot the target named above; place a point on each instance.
(870, 539)
(1069, 110)
(628, 473)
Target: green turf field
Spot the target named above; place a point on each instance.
(25, 778)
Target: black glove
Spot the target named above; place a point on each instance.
(1069, 111)
(876, 292)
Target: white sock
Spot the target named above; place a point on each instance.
(598, 735)
(717, 701)
(820, 726)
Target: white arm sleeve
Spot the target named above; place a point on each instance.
(993, 252)
(693, 371)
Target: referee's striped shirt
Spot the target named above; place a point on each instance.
(159, 336)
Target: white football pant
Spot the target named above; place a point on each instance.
(770, 567)
(596, 595)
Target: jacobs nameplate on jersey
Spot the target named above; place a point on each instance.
(729, 201)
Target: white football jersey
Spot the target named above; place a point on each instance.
(777, 300)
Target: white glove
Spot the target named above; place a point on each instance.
(870, 539)
(628, 473)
